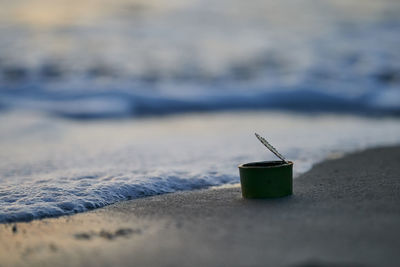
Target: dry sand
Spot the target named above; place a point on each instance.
(344, 212)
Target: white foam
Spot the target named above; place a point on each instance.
(51, 167)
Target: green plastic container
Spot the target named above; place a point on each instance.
(266, 179)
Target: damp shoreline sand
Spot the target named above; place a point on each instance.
(344, 212)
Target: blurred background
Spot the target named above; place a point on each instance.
(127, 58)
(102, 101)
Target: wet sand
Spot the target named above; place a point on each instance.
(344, 212)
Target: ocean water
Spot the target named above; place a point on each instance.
(52, 167)
(103, 101)
(128, 58)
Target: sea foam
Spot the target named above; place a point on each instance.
(51, 167)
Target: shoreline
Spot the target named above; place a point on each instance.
(68, 167)
(344, 212)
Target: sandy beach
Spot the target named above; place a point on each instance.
(344, 212)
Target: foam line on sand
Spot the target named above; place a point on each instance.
(344, 212)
